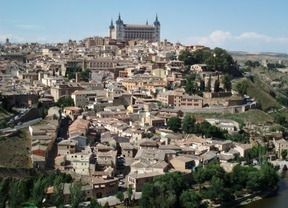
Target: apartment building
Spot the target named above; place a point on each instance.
(180, 100)
(64, 90)
(83, 98)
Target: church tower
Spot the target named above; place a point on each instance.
(119, 29)
(157, 29)
(111, 30)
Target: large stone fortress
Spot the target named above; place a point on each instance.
(126, 32)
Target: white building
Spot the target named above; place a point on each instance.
(83, 98)
(280, 146)
(79, 163)
(229, 125)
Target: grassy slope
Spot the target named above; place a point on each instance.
(251, 116)
(15, 150)
(260, 92)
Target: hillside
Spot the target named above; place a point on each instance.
(242, 57)
(251, 116)
(16, 150)
(260, 91)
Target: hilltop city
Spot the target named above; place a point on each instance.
(134, 120)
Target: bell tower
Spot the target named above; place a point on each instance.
(119, 28)
(111, 30)
(157, 29)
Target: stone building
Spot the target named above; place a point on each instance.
(64, 90)
(126, 32)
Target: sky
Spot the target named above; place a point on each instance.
(238, 25)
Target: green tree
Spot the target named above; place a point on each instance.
(202, 56)
(72, 70)
(268, 176)
(284, 154)
(208, 86)
(120, 196)
(257, 152)
(58, 196)
(216, 190)
(65, 102)
(187, 57)
(217, 58)
(190, 87)
(188, 125)
(166, 197)
(202, 85)
(253, 64)
(94, 204)
(242, 87)
(149, 199)
(223, 62)
(207, 130)
(164, 192)
(38, 191)
(129, 195)
(174, 181)
(191, 199)
(76, 194)
(280, 119)
(29, 205)
(85, 75)
(17, 192)
(253, 179)
(241, 137)
(216, 86)
(174, 124)
(205, 173)
(253, 182)
(4, 189)
(227, 83)
(239, 176)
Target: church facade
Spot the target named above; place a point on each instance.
(126, 32)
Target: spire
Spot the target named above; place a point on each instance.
(119, 21)
(156, 22)
(111, 25)
(146, 22)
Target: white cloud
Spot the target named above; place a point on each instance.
(216, 37)
(249, 41)
(252, 35)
